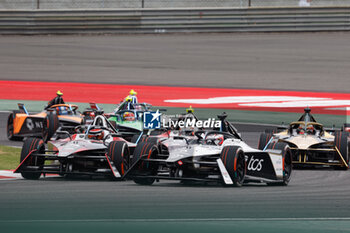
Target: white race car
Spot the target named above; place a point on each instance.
(210, 155)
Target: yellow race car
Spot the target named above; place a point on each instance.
(21, 124)
(310, 143)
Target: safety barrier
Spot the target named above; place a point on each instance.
(296, 19)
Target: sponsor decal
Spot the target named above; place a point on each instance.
(33, 124)
(30, 124)
(255, 164)
(151, 120)
(192, 123)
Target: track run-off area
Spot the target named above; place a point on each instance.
(262, 78)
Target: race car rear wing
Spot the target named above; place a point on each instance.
(94, 106)
(22, 109)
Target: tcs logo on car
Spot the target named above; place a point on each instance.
(255, 164)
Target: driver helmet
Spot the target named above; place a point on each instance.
(310, 129)
(96, 134)
(59, 93)
(137, 107)
(128, 99)
(301, 129)
(132, 92)
(189, 110)
(129, 116)
(217, 139)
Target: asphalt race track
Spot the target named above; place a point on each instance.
(301, 61)
(314, 201)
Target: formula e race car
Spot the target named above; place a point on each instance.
(217, 155)
(95, 150)
(310, 143)
(21, 124)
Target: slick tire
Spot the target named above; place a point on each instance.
(235, 164)
(32, 145)
(136, 137)
(145, 138)
(50, 125)
(145, 168)
(287, 164)
(119, 153)
(264, 139)
(346, 125)
(10, 128)
(342, 144)
(270, 131)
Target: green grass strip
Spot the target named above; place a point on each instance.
(9, 157)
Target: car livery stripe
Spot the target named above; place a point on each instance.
(235, 161)
(113, 151)
(142, 152)
(226, 152)
(23, 161)
(122, 165)
(6, 177)
(48, 123)
(274, 144)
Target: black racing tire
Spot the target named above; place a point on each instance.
(119, 153)
(145, 168)
(270, 131)
(135, 137)
(146, 138)
(342, 144)
(235, 164)
(152, 140)
(50, 125)
(143, 138)
(286, 162)
(32, 145)
(10, 128)
(346, 125)
(263, 140)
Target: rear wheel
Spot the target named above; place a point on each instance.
(263, 140)
(50, 125)
(135, 138)
(118, 152)
(10, 128)
(287, 165)
(342, 144)
(346, 127)
(235, 164)
(32, 145)
(145, 168)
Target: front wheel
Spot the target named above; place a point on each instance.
(287, 165)
(118, 152)
(145, 169)
(342, 146)
(235, 164)
(50, 125)
(32, 145)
